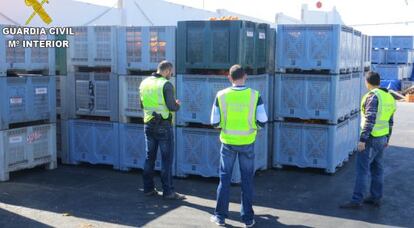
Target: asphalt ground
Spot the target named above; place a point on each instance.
(97, 196)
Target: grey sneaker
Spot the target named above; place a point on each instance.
(250, 224)
(217, 221)
(350, 205)
(372, 201)
(175, 196)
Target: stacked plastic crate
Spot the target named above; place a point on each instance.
(317, 95)
(92, 89)
(28, 106)
(140, 50)
(205, 52)
(393, 58)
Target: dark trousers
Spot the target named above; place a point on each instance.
(159, 136)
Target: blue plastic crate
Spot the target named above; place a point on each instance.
(379, 56)
(311, 145)
(94, 142)
(400, 56)
(402, 42)
(93, 94)
(354, 132)
(367, 51)
(381, 42)
(356, 91)
(391, 84)
(62, 141)
(389, 72)
(132, 148)
(306, 96)
(364, 89)
(27, 99)
(317, 47)
(198, 152)
(198, 92)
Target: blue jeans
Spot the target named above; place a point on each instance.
(159, 136)
(228, 155)
(370, 161)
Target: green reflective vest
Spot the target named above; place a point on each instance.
(152, 97)
(386, 108)
(238, 116)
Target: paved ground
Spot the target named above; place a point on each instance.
(100, 197)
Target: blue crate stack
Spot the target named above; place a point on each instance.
(27, 106)
(140, 51)
(393, 58)
(317, 94)
(203, 72)
(103, 121)
(90, 131)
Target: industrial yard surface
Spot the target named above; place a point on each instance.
(86, 196)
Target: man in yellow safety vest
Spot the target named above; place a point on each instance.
(158, 102)
(377, 111)
(238, 111)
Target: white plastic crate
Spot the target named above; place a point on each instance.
(25, 148)
(142, 48)
(406, 84)
(93, 46)
(25, 59)
(93, 94)
(198, 152)
(129, 98)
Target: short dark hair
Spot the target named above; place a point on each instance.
(237, 72)
(164, 65)
(373, 78)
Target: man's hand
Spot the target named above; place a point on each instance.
(178, 102)
(361, 146)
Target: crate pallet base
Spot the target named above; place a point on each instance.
(93, 142)
(318, 71)
(198, 153)
(315, 146)
(28, 147)
(132, 148)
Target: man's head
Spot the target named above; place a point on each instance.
(372, 80)
(165, 69)
(237, 75)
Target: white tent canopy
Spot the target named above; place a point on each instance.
(131, 12)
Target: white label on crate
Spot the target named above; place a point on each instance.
(16, 100)
(250, 34)
(41, 91)
(15, 139)
(262, 35)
